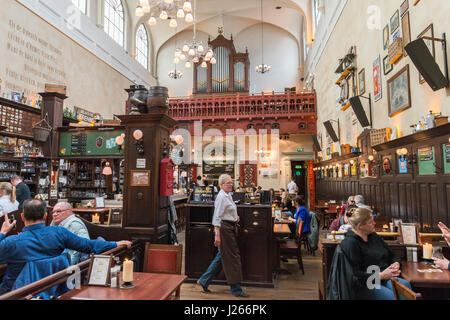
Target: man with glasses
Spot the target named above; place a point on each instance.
(63, 216)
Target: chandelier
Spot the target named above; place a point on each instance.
(194, 51)
(262, 68)
(165, 10)
(173, 74)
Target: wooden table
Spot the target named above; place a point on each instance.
(91, 211)
(148, 286)
(281, 229)
(424, 279)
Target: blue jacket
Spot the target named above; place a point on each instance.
(38, 242)
(303, 214)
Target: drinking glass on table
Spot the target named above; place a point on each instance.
(437, 253)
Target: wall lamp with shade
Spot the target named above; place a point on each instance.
(107, 171)
(138, 136)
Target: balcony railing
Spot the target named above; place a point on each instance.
(285, 105)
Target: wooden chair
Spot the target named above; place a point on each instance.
(294, 248)
(402, 292)
(163, 258)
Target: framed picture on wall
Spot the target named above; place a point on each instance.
(399, 93)
(387, 66)
(406, 31)
(362, 81)
(386, 37)
(140, 178)
(395, 22)
(428, 32)
(377, 88)
(404, 7)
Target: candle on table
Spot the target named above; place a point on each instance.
(127, 271)
(95, 218)
(427, 250)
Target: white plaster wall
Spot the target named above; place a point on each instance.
(280, 51)
(352, 29)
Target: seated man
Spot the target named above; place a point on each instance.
(64, 217)
(38, 242)
(340, 222)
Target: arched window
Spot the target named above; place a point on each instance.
(81, 4)
(114, 20)
(142, 46)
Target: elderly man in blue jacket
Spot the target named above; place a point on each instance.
(38, 242)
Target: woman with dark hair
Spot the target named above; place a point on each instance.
(301, 213)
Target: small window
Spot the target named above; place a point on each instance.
(81, 5)
(142, 46)
(114, 20)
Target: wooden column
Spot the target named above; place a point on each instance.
(145, 213)
(53, 104)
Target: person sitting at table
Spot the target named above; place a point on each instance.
(289, 207)
(284, 196)
(342, 220)
(350, 201)
(302, 214)
(443, 264)
(8, 202)
(363, 249)
(359, 201)
(37, 242)
(63, 216)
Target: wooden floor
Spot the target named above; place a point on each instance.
(295, 286)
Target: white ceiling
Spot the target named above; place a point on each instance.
(233, 15)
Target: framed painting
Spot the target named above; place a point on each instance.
(387, 66)
(406, 31)
(362, 81)
(399, 92)
(404, 7)
(386, 37)
(377, 88)
(428, 32)
(140, 178)
(395, 22)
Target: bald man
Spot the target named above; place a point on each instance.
(64, 217)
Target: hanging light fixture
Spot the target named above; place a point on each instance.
(262, 68)
(174, 74)
(195, 51)
(165, 9)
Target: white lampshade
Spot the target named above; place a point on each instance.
(188, 64)
(180, 13)
(182, 57)
(146, 7)
(191, 52)
(168, 1)
(152, 21)
(173, 23)
(204, 64)
(185, 48)
(256, 68)
(177, 53)
(187, 6)
(207, 58)
(195, 60)
(213, 60)
(200, 48)
(189, 18)
(163, 15)
(139, 11)
(176, 60)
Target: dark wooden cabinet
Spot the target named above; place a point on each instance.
(254, 238)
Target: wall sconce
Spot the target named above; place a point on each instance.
(402, 152)
(120, 140)
(371, 158)
(138, 136)
(107, 171)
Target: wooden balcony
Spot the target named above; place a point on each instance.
(244, 107)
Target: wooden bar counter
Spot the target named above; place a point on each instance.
(255, 243)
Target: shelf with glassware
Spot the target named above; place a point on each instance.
(87, 179)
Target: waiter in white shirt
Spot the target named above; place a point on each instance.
(225, 221)
(292, 186)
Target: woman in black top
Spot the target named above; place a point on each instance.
(367, 252)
